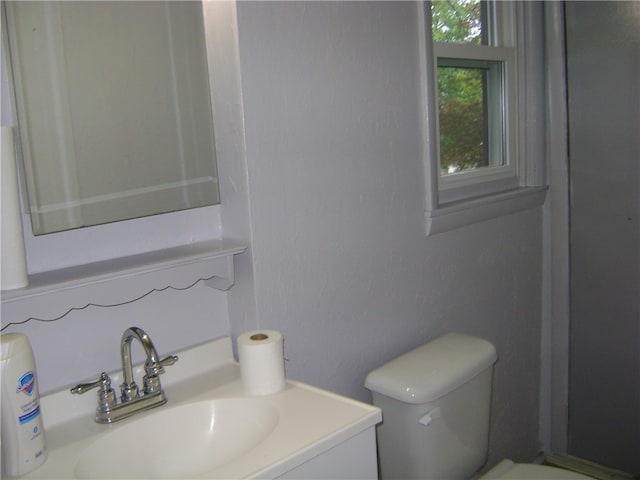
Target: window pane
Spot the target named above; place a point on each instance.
(470, 115)
(459, 21)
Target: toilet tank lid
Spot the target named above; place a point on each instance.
(434, 369)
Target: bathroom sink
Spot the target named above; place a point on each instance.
(179, 442)
(211, 429)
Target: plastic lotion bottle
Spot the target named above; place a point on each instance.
(23, 442)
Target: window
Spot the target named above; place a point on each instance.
(476, 61)
(476, 91)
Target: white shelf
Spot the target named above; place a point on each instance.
(51, 294)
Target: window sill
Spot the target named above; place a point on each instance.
(450, 216)
(54, 293)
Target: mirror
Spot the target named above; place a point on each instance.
(113, 107)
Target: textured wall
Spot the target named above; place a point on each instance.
(84, 343)
(336, 191)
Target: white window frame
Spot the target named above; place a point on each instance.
(453, 201)
(494, 178)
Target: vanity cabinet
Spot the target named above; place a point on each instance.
(352, 459)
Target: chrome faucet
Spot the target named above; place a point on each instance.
(131, 400)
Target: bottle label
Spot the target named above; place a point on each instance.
(26, 383)
(27, 417)
(31, 408)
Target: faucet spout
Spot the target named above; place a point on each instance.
(131, 399)
(129, 388)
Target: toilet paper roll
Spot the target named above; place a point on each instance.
(261, 354)
(14, 265)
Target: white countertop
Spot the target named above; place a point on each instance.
(311, 420)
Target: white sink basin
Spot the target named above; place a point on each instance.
(179, 442)
(211, 429)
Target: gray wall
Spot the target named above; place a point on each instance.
(342, 265)
(603, 40)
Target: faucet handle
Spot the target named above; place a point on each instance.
(103, 382)
(158, 367)
(151, 380)
(170, 360)
(106, 394)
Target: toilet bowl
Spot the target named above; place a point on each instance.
(435, 403)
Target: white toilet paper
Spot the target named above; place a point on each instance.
(261, 354)
(14, 265)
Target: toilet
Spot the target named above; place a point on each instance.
(435, 403)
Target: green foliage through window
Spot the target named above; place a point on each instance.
(458, 21)
(463, 119)
(463, 87)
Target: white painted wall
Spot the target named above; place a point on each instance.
(324, 180)
(341, 263)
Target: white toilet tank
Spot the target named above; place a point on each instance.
(435, 403)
